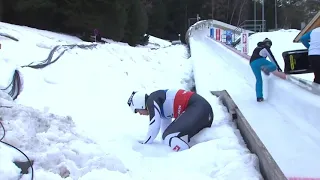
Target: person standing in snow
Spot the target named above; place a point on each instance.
(313, 51)
(191, 113)
(258, 62)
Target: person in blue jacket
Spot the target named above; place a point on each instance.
(258, 62)
(313, 51)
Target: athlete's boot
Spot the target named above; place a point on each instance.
(260, 99)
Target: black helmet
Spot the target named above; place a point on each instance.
(267, 42)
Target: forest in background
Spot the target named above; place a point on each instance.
(129, 20)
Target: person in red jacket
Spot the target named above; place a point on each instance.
(190, 111)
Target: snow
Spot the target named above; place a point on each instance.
(289, 113)
(73, 121)
(160, 42)
(282, 40)
(56, 145)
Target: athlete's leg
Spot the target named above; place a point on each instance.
(256, 66)
(172, 135)
(205, 117)
(196, 117)
(268, 65)
(256, 69)
(315, 64)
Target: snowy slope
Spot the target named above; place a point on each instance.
(73, 120)
(55, 144)
(282, 40)
(286, 123)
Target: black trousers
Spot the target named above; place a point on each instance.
(315, 64)
(197, 116)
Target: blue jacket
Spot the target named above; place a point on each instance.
(311, 40)
(305, 39)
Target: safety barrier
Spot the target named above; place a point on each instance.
(212, 23)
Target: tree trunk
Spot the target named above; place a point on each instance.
(228, 9)
(240, 11)
(233, 11)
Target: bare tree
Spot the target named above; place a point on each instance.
(241, 10)
(228, 6)
(235, 5)
(147, 4)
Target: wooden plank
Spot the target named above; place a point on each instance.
(315, 22)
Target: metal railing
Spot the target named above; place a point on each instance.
(252, 25)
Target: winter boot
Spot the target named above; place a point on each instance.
(260, 99)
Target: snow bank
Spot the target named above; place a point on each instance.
(53, 142)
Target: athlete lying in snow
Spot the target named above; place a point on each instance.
(191, 113)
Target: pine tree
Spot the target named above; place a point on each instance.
(137, 23)
(157, 19)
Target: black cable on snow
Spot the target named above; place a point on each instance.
(8, 36)
(49, 60)
(15, 83)
(1, 140)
